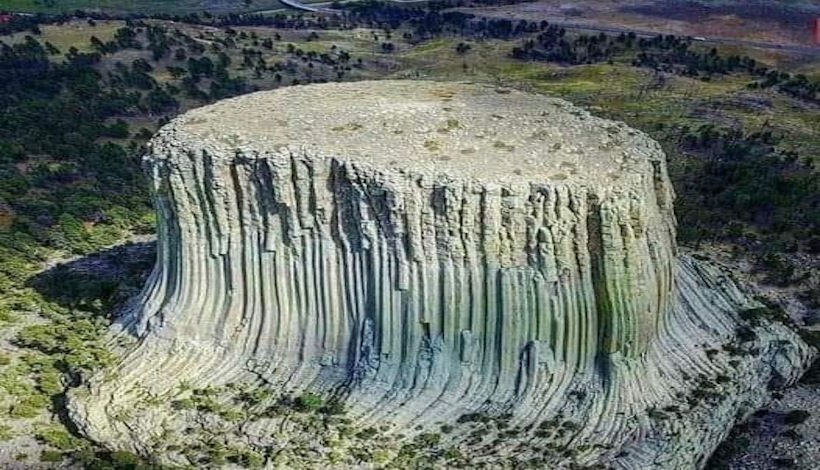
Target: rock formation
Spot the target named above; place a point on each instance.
(425, 250)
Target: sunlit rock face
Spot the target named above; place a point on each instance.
(426, 250)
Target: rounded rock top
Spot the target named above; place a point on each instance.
(458, 129)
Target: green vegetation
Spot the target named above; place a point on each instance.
(58, 437)
(308, 402)
(79, 99)
(72, 184)
(6, 432)
(738, 172)
(136, 6)
(51, 456)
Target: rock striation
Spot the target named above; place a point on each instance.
(426, 250)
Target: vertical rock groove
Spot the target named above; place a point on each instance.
(403, 245)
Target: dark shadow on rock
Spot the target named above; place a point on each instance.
(99, 282)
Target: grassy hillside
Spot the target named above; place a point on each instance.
(138, 6)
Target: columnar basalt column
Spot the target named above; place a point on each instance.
(424, 249)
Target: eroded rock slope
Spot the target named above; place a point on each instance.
(426, 250)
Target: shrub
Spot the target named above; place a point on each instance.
(308, 402)
(796, 417)
(333, 408)
(250, 459)
(428, 439)
(51, 456)
(29, 407)
(783, 462)
(125, 459)
(367, 433)
(183, 404)
(812, 376)
(473, 418)
(6, 432)
(57, 436)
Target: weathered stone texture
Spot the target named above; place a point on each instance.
(428, 249)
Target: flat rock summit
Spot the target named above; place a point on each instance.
(461, 130)
(429, 251)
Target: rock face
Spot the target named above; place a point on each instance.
(426, 250)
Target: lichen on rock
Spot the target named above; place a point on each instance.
(427, 250)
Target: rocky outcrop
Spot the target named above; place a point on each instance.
(426, 250)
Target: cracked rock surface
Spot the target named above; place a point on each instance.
(425, 250)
